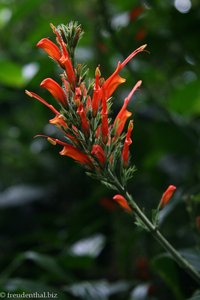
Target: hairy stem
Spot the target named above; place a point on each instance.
(178, 258)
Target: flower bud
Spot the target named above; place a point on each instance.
(167, 195)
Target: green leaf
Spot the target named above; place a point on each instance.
(109, 185)
(166, 268)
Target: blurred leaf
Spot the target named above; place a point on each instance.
(24, 8)
(196, 296)
(185, 100)
(11, 74)
(140, 292)
(44, 261)
(91, 246)
(21, 194)
(30, 286)
(193, 256)
(166, 268)
(76, 262)
(97, 290)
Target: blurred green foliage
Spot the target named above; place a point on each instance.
(60, 231)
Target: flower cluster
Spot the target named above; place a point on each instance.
(90, 136)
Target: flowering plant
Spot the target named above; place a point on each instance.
(90, 136)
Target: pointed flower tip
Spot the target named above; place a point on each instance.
(97, 71)
(52, 27)
(51, 141)
(143, 47)
(28, 93)
(122, 202)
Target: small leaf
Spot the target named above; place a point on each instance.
(109, 185)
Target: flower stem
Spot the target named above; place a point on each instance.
(148, 225)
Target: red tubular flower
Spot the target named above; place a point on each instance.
(76, 154)
(120, 120)
(55, 89)
(134, 53)
(33, 95)
(96, 93)
(88, 104)
(167, 195)
(77, 96)
(70, 151)
(58, 121)
(65, 60)
(114, 80)
(84, 121)
(122, 202)
(98, 151)
(127, 143)
(104, 120)
(50, 48)
(124, 114)
(110, 85)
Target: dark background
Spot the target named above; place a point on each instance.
(60, 230)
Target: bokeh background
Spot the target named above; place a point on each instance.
(60, 231)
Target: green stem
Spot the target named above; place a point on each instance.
(180, 260)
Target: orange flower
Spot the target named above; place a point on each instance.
(84, 121)
(55, 89)
(96, 93)
(167, 195)
(121, 119)
(98, 151)
(58, 121)
(50, 48)
(75, 154)
(65, 60)
(33, 95)
(124, 114)
(104, 120)
(134, 53)
(110, 85)
(88, 104)
(122, 202)
(77, 96)
(114, 80)
(127, 143)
